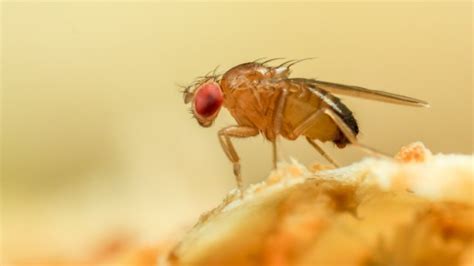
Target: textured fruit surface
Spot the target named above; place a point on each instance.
(414, 210)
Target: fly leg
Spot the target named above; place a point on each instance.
(224, 138)
(322, 152)
(307, 123)
(277, 119)
(350, 135)
(275, 154)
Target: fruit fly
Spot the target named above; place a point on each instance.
(265, 100)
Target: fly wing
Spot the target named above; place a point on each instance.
(360, 92)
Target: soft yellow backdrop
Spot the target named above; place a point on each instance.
(96, 137)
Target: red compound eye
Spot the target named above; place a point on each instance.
(208, 99)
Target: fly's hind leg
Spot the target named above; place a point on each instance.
(305, 125)
(275, 154)
(322, 152)
(350, 135)
(224, 138)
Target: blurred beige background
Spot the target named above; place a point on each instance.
(96, 137)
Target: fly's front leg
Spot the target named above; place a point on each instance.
(224, 138)
(350, 135)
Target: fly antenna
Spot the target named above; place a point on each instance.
(183, 88)
(186, 91)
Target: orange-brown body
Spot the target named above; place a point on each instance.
(253, 91)
(265, 100)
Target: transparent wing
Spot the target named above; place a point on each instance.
(364, 93)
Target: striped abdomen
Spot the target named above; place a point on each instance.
(302, 102)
